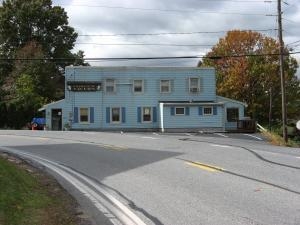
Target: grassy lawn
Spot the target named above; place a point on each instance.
(31, 198)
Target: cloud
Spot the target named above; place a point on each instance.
(160, 16)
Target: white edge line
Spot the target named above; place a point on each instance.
(120, 211)
(222, 135)
(249, 135)
(146, 137)
(222, 146)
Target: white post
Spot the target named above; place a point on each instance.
(161, 112)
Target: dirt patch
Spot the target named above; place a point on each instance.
(64, 209)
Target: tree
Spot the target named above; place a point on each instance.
(3, 113)
(43, 73)
(36, 21)
(36, 43)
(247, 69)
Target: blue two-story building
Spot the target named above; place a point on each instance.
(142, 98)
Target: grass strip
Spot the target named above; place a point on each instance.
(276, 139)
(28, 197)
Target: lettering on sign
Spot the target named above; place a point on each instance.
(84, 86)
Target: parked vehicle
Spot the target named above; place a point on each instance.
(38, 123)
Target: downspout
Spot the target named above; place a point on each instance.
(161, 110)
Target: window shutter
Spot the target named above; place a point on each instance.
(215, 110)
(154, 114)
(187, 111)
(200, 111)
(107, 115)
(172, 88)
(92, 114)
(139, 116)
(123, 115)
(172, 111)
(75, 119)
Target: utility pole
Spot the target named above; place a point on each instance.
(281, 48)
(270, 108)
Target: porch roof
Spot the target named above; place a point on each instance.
(49, 105)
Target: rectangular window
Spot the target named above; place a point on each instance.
(84, 115)
(138, 86)
(232, 114)
(110, 86)
(194, 85)
(147, 114)
(179, 111)
(115, 115)
(207, 111)
(165, 86)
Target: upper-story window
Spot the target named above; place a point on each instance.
(194, 84)
(110, 85)
(138, 86)
(165, 86)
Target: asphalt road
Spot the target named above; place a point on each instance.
(177, 179)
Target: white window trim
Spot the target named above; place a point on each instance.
(88, 115)
(164, 92)
(198, 85)
(151, 114)
(114, 86)
(133, 86)
(207, 114)
(176, 114)
(111, 115)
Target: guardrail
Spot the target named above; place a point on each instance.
(260, 128)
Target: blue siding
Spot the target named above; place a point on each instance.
(193, 120)
(131, 103)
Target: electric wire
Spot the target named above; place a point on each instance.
(146, 44)
(169, 10)
(169, 33)
(215, 57)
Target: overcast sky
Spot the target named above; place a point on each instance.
(200, 22)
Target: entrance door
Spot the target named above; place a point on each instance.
(56, 120)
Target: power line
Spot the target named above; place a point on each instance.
(169, 33)
(146, 44)
(168, 10)
(246, 1)
(292, 43)
(216, 57)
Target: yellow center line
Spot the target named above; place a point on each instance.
(113, 147)
(206, 167)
